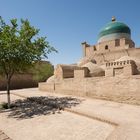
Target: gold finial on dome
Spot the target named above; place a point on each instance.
(113, 19)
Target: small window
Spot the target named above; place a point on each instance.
(94, 48)
(117, 42)
(106, 47)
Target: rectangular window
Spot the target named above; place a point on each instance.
(117, 42)
(106, 47)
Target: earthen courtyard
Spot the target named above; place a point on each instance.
(92, 119)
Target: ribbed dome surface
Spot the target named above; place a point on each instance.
(114, 27)
(114, 30)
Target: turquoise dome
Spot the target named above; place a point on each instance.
(114, 28)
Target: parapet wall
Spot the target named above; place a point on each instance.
(119, 64)
(97, 86)
(127, 68)
(107, 46)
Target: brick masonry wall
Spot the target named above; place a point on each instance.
(99, 86)
(114, 55)
(113, 45)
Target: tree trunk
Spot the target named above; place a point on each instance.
(8, 91)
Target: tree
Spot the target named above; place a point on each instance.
(20, 46)
(42, 71)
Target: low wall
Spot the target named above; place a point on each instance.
(120, 87)
(46, 87)
(19, 81)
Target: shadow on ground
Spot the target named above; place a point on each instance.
(32, 106)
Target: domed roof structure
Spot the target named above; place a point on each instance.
(114, 30)
(94, 69)
(51, 79)
(85, 60)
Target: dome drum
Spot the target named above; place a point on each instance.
(114, 36)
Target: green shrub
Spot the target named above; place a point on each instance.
(4, 105)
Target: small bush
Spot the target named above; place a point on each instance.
(5, 105)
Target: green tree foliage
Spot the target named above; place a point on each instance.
(42, 71)
(20, 46)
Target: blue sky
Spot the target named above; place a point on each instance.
(68, 23)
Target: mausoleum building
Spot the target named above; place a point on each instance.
(109, 68)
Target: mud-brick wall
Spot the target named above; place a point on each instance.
(19, 81)
(98, 86)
